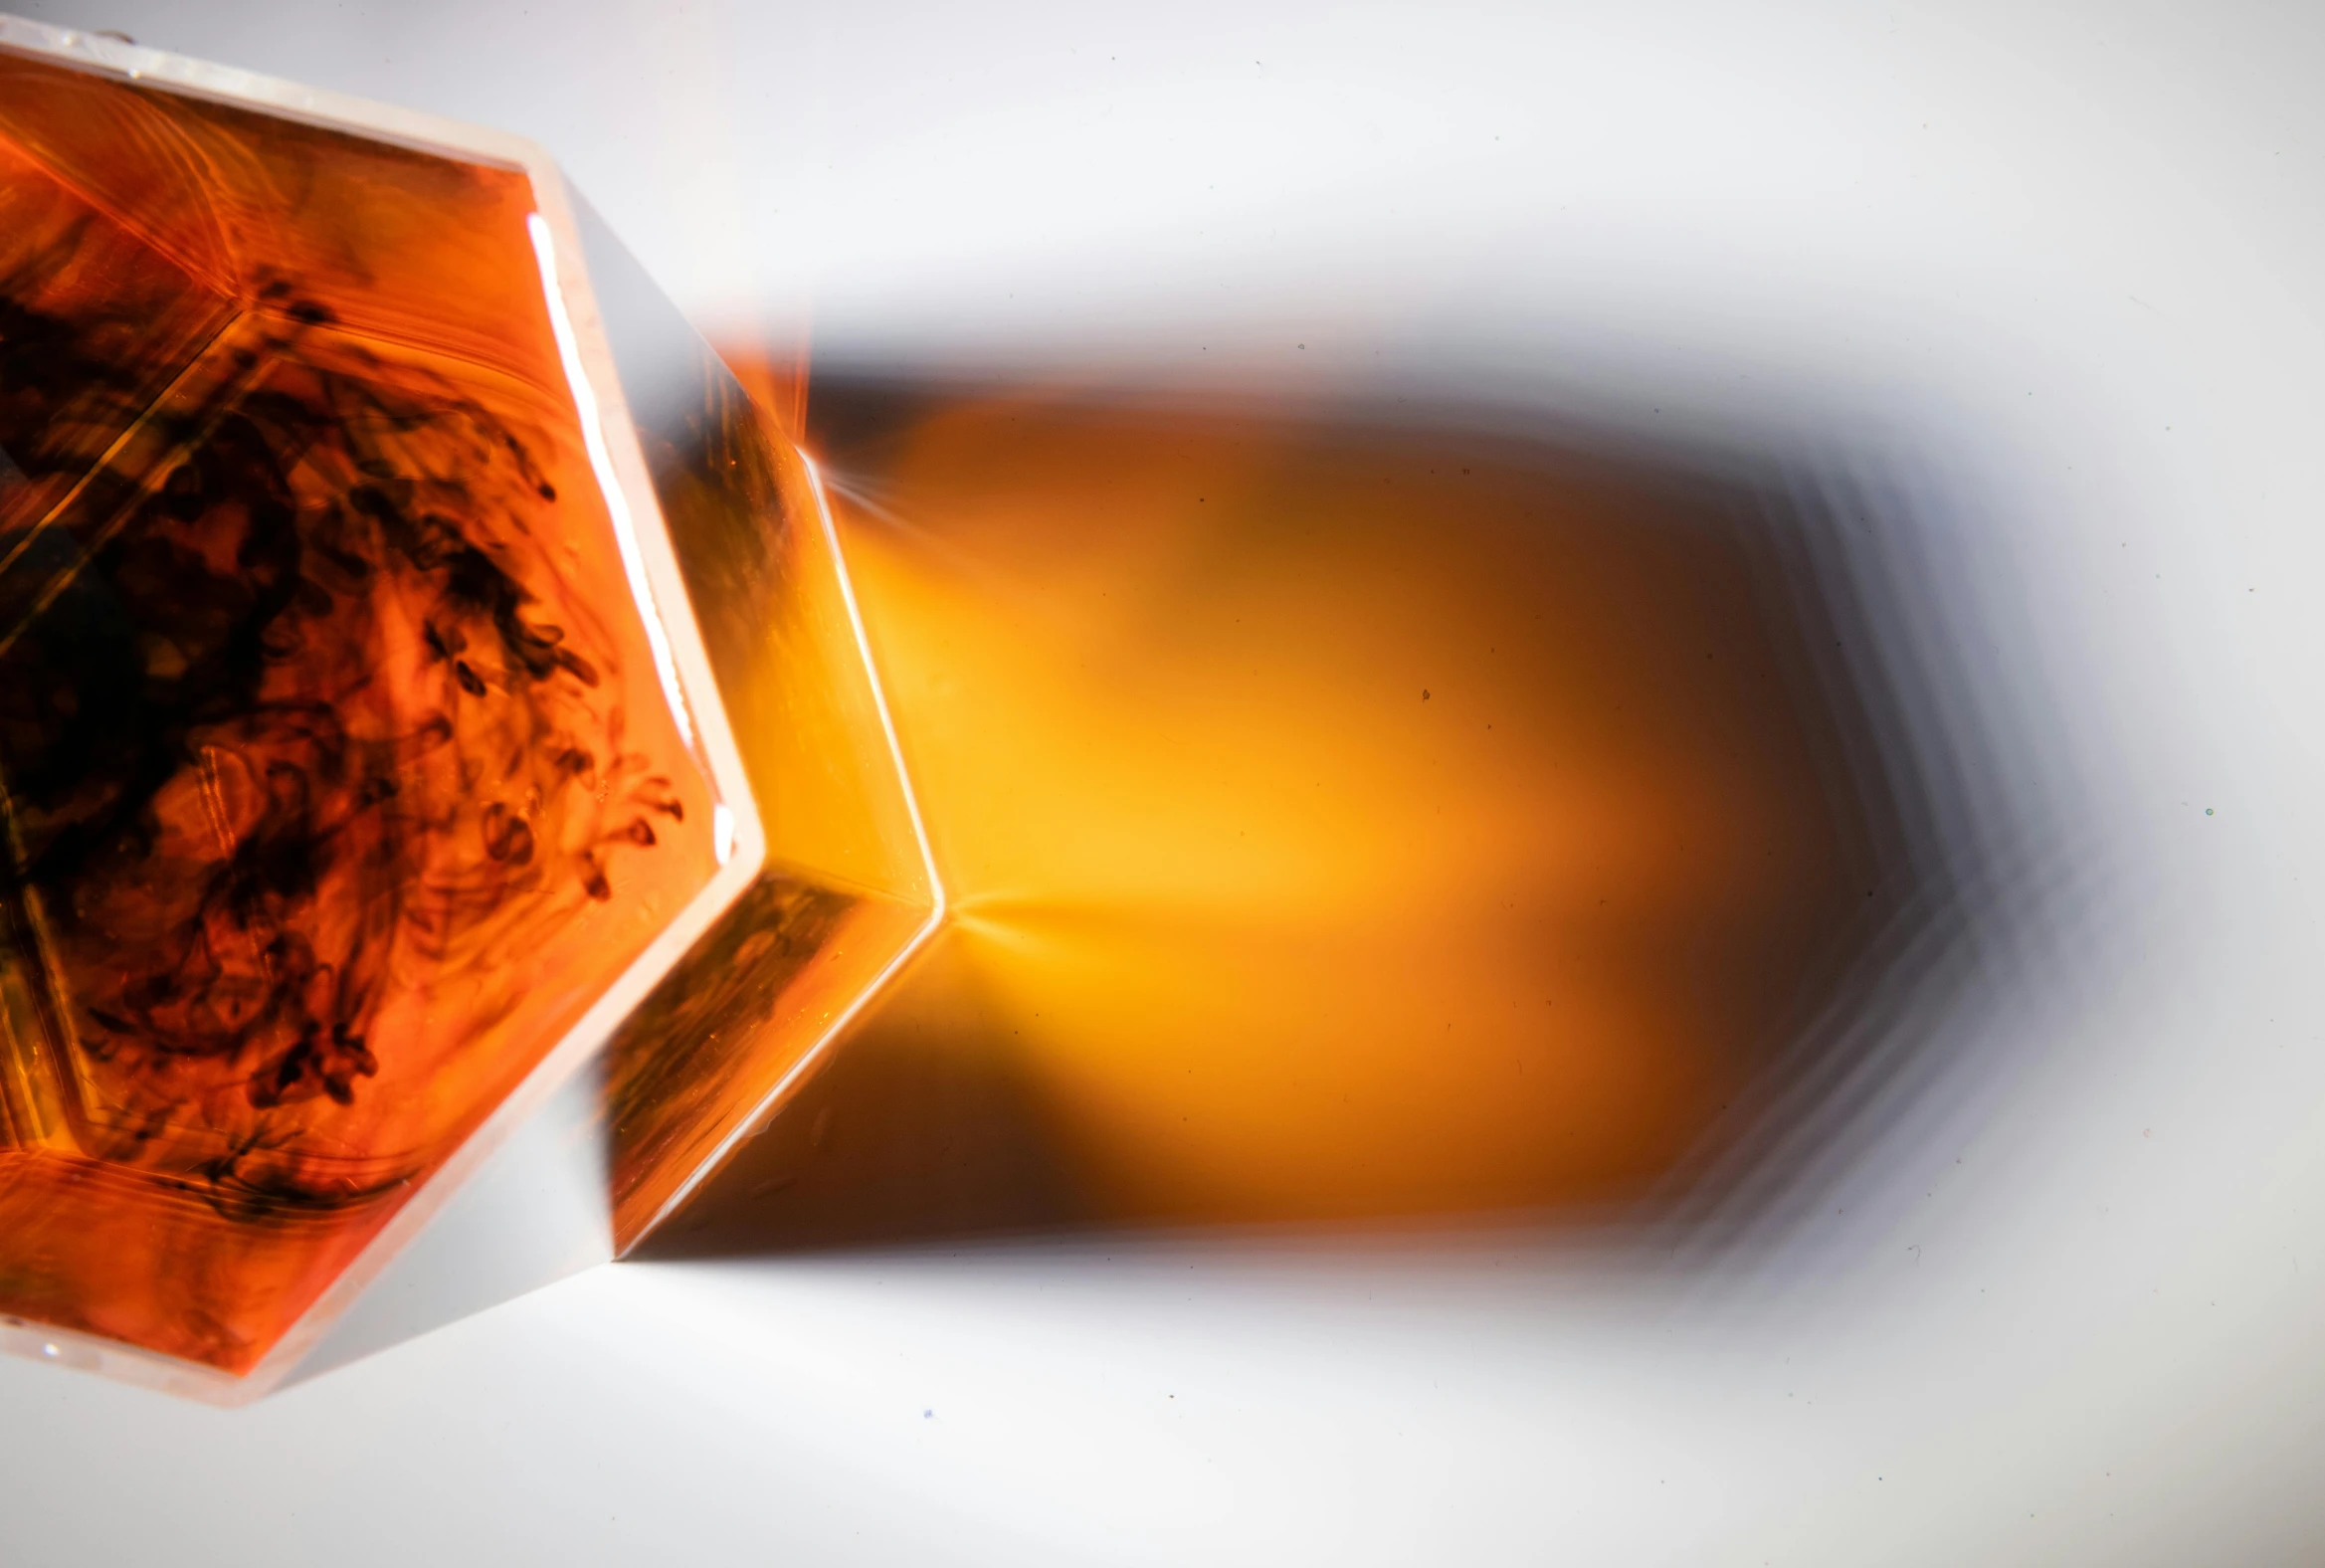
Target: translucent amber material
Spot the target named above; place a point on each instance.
(364, 760)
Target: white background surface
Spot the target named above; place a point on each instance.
(2076, 253)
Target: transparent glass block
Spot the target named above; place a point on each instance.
(417, 667)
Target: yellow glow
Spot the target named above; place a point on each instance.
(1270, 934)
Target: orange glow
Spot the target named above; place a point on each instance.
(1342, 822)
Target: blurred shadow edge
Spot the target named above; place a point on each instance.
(1861, 558)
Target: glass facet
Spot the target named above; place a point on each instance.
(849, 888)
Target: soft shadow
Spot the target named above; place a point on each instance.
(1376, 813)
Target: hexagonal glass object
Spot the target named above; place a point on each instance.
(421, 664)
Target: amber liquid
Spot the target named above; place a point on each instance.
(336, 778)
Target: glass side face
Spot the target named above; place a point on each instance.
(845, 890)
(336, 778)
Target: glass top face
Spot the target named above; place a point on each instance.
(338, 778)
